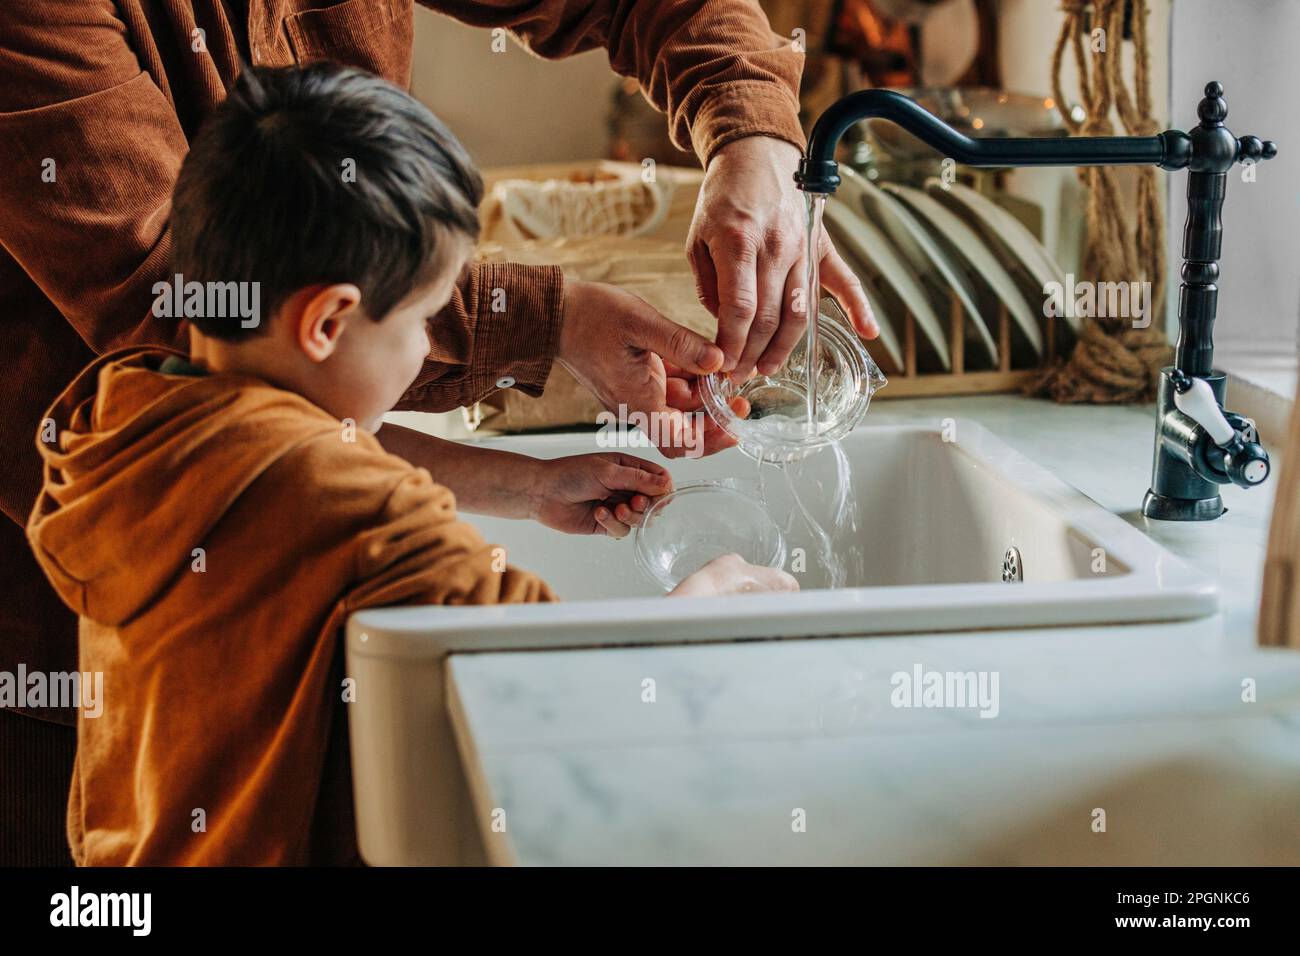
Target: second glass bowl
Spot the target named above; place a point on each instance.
(690, 526)
(776, 429)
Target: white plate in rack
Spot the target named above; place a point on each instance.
(873, 250)
(920, 251)
(888, 336)
(1021, 245)
(980, 260)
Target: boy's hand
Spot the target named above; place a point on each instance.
(597, 494)
(732, 574)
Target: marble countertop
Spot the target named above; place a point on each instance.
(1165, 744)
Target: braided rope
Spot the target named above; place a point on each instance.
(1112, 361)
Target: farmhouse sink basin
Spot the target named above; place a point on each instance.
(939, 519)
(942, 522)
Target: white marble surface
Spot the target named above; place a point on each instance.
(1144, 722)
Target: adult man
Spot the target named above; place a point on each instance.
(98, 100)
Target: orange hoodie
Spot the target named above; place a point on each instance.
(213, 533)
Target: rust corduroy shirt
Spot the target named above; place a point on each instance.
(98, 100)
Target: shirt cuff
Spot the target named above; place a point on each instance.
(500, 330)
(517, 329)
(746, 108)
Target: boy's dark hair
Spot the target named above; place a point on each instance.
(265, 193)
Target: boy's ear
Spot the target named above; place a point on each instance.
(318, 315)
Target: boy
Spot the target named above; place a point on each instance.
(214, 519)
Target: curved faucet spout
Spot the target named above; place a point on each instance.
(818, 171)
(1183, 485)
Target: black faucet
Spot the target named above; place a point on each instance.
(1198, 446)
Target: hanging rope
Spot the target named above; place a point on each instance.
(1112, 361)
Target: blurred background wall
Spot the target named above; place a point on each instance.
(512, 107)
(1250, 47)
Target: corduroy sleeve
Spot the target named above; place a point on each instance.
(500, 330)
(714, 66)
(92, 149)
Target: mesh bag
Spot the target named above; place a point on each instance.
(599, 204)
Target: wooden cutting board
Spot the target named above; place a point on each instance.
(1279, 611)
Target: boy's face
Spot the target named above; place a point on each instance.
(323, 345)
(373, 363)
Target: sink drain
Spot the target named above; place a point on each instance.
(1012, 568)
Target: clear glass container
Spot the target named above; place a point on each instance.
(777, 427)
(695, 523)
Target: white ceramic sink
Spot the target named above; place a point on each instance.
(937, 518)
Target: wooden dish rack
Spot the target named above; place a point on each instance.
(907, 382)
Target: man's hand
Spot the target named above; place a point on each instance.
(627, 354)
(596, 494)
(746, 246)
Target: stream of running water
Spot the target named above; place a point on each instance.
(812, 501)
(816, 508)
(815, 204)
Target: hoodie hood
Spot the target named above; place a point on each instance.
(125, 439)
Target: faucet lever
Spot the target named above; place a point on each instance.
(1195, 399)
(1236, 457)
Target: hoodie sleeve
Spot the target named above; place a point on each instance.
(418, 552)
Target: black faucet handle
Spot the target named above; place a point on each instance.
(1245, 461)
(1252, 149)
(1246, 464)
